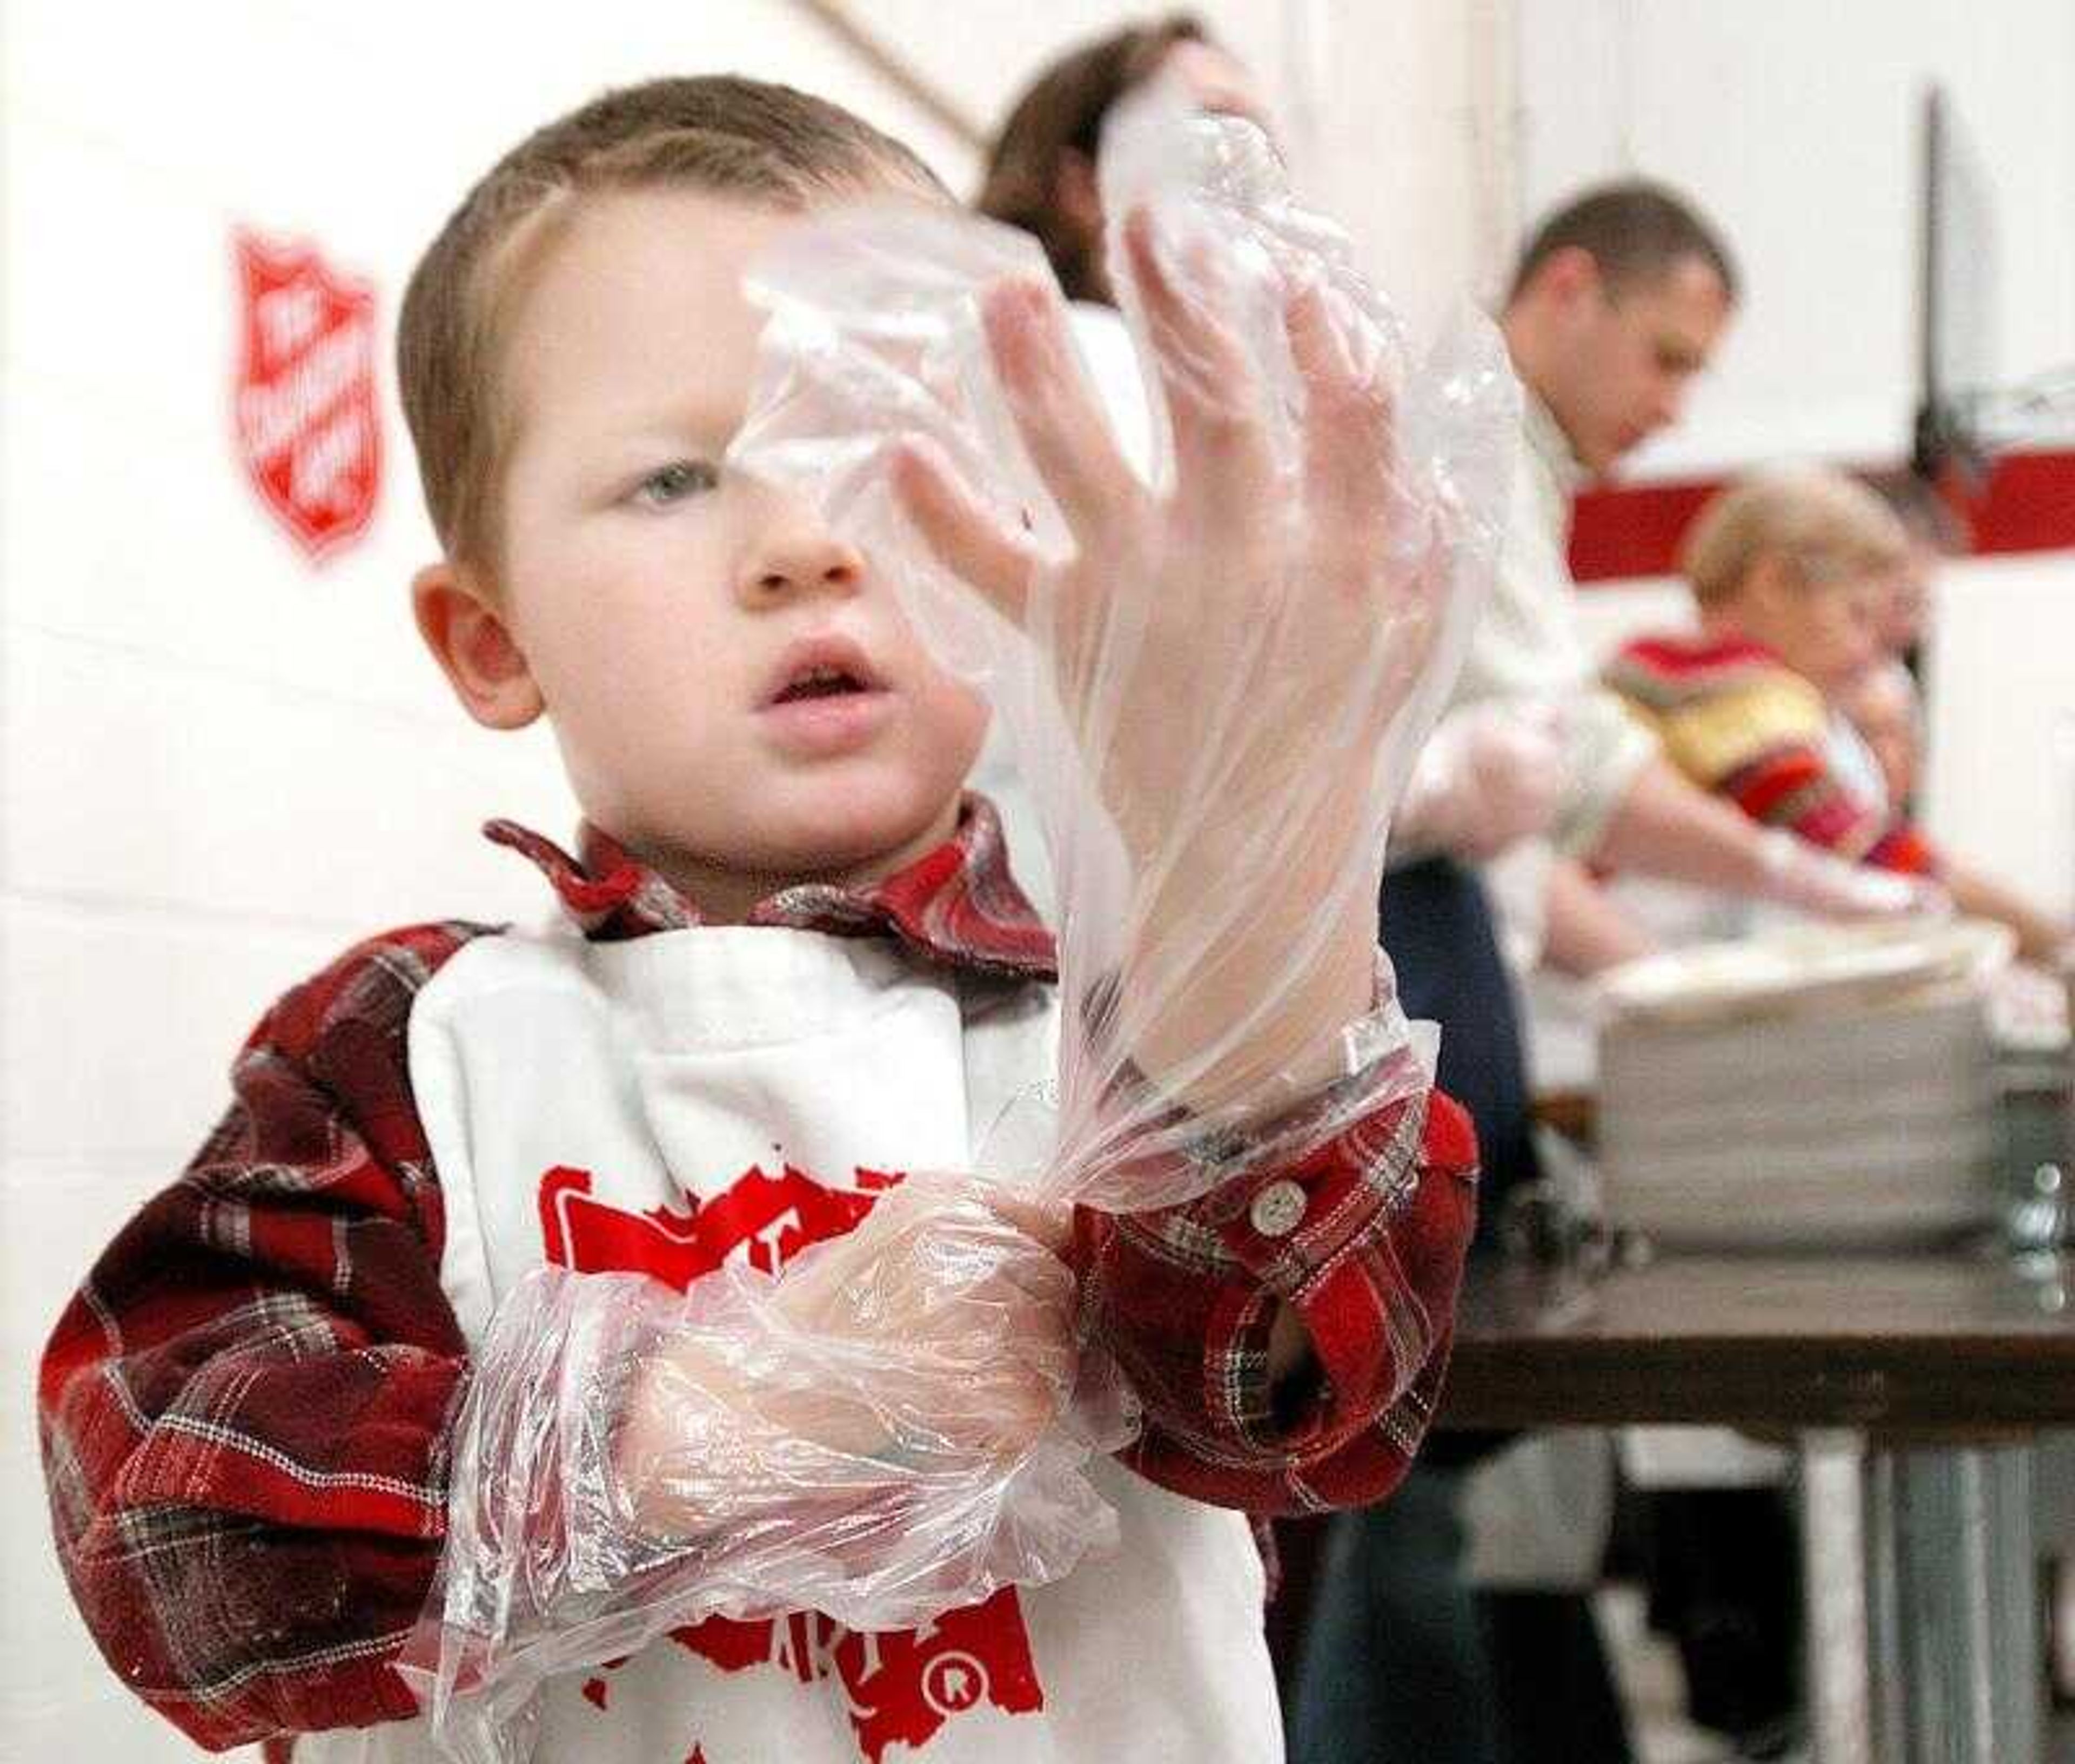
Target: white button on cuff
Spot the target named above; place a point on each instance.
(1278, 1209)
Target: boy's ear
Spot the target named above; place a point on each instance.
(474, 647)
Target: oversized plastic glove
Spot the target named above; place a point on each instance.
(875, 1433)
(1217, 681)
(1490, 775)
(1808, 878)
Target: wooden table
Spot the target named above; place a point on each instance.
(1912, 1387)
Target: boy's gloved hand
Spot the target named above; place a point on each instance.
(1490, 775)
(1229, 653)
(932, 1343)
(1155, 621)
(874, 1433)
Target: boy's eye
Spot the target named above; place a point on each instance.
(671, 484)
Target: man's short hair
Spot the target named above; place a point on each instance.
(762, 143)
(1637, 231)
(1063, 110)
(1823, 524)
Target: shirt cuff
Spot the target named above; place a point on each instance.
(1363, 1232)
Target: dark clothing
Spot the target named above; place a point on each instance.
(1437, 930)
(1400, 1661)
(1394, 1665)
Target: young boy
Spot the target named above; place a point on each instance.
(1790, 570)
(790, 964)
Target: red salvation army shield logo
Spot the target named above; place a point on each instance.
(309, 431)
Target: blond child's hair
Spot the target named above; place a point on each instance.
(1823, 524)
(766, 144)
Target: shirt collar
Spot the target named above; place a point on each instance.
(1706, 647)
(958, 905)
(1551, 445)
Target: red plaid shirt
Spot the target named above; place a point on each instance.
(246, 1409)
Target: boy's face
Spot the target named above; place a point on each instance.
(736, 693)
(1825, 630)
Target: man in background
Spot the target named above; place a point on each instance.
(1619, 301)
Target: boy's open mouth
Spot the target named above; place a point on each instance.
(827, 666)
(822, 683)
(824, 699)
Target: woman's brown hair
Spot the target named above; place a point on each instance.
(1063, 112)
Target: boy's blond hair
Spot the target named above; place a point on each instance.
(765, 144)
(1823, 524)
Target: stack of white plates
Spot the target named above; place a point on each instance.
(1816, 1088)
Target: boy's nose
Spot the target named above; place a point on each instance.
(804, 559)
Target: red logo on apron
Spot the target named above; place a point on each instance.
(309, 431)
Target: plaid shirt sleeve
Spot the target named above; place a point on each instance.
(1364, 1235)
(245, 1408)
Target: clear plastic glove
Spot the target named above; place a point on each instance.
(1490, 775)
(1218, 681)
(919, 1351)
(879, 1433)
(1797, 873)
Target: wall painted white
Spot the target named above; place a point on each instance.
(2001, 689)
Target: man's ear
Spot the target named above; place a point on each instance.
(1569, 274)
(474, 647)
